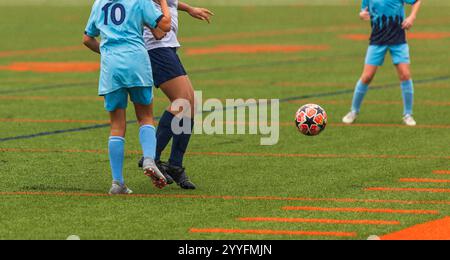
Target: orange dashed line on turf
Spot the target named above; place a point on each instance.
(283, 124)
(18, 120)
(442, 172)
(411, 36)
(388, 189)
(236, 154)
(391, 125)
(249, 49)
(4, 54)
(45, 98)
(353, 156)
(52, 67)
(308, 84)
(433, 230)
(273, 232)
(244, 198)
(362, 210)
(272, 33)
(373, 102)
(321, 221)
(423, 180)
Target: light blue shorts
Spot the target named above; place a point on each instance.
(119, 98)
(377, 53)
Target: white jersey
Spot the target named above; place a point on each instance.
(171, 39)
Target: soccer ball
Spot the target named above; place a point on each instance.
(311, 119)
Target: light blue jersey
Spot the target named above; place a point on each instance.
(124, 59)
(387, 17)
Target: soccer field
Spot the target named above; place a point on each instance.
(373, 178)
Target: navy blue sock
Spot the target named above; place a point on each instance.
(180, 144)
(164, 133)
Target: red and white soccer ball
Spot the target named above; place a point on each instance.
(311, 119)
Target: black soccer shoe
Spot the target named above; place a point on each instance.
(162, 167)
(178, 174)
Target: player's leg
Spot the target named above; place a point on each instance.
(179, 88)
(401, 59)
(116, 104)
(374, 58)
(142, 99)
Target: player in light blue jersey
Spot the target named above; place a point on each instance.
(389, 24)
(126, 71)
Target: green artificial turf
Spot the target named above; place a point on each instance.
(57, 169)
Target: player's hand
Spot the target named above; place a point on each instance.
(408, 23)
(365, 15)
(201, 14)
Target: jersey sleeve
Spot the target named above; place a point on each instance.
(364, 5)
(410, 2)
(91, 27)
(152, 15)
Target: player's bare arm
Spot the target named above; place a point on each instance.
(158, 33)
(408, 23)
(91, 43)
(365, 15)
(196, 12)
(165, 24)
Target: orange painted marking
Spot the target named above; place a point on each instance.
(362, 210)
(354, 156)
(283, 124)
(272, 33)
(391, 125)
(441, 172)
(411, 36)
(18, 120)
(273, 232)
(4, 54)
(309, 84)
(321, 221)
(45, 98)
(246, 49)
(431, 190)
(434, 230)
(52, 67)
(420, 180)
(372, 102)
(244, 198)
(60, 98)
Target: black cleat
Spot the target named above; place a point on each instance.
(162, 167)
(178, 174)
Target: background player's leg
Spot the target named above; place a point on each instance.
(407, 86)
(116, 144)
(363, 86)
(175, 89)
(360, 92)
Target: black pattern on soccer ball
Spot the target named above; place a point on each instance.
(311, 119)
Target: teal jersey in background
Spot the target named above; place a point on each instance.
(387, 17)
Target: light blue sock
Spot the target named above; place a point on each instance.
(116, 157)
(147, 136)
(358, 97)
(408, 96)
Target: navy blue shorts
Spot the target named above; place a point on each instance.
(166, 65)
